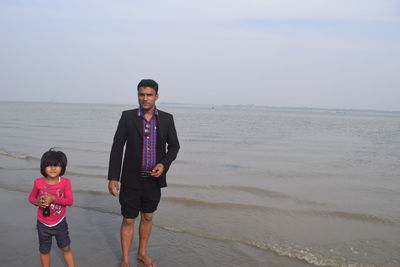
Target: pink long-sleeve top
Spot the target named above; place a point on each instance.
(63, 193)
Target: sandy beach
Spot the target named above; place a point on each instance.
(95, 241)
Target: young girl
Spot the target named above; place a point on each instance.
(52, 193)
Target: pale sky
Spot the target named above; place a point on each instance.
(292, 53)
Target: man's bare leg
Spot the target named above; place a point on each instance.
(146, 224)
(127, 226)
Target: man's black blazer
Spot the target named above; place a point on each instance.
(130, 134)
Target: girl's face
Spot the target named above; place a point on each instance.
(53, 171)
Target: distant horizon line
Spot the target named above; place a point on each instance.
(254, 106)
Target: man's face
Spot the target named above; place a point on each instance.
(147, 98)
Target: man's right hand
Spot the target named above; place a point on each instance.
(113, 187)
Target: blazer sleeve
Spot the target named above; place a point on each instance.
(172, 145)
(115, 163)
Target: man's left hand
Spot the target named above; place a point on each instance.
(158, 170)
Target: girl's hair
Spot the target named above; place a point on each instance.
(53, 158)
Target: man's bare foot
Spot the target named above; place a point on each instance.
(147, 261)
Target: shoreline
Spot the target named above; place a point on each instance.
(95, 241)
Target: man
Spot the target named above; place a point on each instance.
(151, 144)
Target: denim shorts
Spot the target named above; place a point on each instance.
(46, 233)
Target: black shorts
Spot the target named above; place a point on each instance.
(144, 199)
(46, 233)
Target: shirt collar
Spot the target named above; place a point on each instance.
(140, 112)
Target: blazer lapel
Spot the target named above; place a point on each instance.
(161, 125)
(137, 121)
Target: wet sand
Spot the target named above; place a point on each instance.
(95, 241)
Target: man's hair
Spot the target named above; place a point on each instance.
(53, 158)
(148, 83)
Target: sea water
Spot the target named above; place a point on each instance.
(319, 187)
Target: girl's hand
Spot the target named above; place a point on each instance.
(48, 199)
(40, 202)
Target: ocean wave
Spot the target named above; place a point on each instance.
(14, 188)
(17, 188)
(306, 254)
(97, 209)
(200, 140)
(204, 203)
(87, 150)
(17, 155)
(90, 192)
(24, 156)
(233, 166)
(91, 175)
(11, 126)
(68, 174)
(247, 189)
(181, 161)
(21, 169)
(291, 251)
(383, 191)
(363, 217)
(96, 167)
